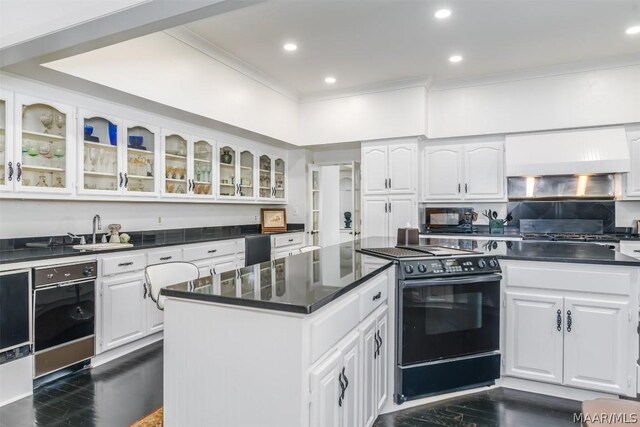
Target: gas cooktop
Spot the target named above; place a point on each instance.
(570, 237)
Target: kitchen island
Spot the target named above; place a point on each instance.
(275, 344)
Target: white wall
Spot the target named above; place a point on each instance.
(579, 99)
(186, 78)
(336, 154)
(627, 212)
(361, 117)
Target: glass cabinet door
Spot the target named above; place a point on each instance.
(247, 168)
(280, 267)
(228, 283)
(266, 281)
(139, 174)
(265, 172)
(99, 154)
(175, 164)
(7, 164)
(227, 175)
(44, 129)
(202, 165)
(279, 179)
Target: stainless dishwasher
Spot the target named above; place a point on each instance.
(64, 316)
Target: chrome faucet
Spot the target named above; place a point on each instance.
(96, 221)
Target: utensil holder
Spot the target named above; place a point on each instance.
(496, 226)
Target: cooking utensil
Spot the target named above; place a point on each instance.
(495, 215)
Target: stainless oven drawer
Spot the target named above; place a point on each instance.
(64, 355)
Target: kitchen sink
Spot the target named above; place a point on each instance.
(102, 246)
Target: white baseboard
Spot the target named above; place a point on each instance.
(552, 389)
(110, 355)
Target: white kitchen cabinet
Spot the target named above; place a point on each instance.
(464, 172)
(389, 168)
(348, 405)
(236, 173)
(286, 244)
(325, 391)
(534, 344)
(140, 158)
(374, 354)
(632, 179)
(8, 167)
(381, 360)
(596, 345)
(382, 216)
(123, 309)
(44, 146)
(557, 334)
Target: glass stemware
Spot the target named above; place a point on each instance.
(47, 121)
(60, 122)
(92, 159)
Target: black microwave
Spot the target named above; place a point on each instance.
(450, 220)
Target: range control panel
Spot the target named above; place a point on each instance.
(448, 266)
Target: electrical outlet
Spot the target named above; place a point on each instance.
(159, 220)
(255, 217)
(295, 210)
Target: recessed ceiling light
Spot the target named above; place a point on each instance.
(290, 47)
(455, 58)
(330, 80)
(442, 13)
(633, 30)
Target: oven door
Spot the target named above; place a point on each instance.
(63, 313)
(445, 318)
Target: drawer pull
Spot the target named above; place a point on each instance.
(377, 296)
(165, 258)
(212, 251)
(124, 264)
(636, 250)
(291, 240)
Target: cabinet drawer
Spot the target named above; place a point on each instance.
(373, 294)
(123, 264)
(171, 255)
(210, 250)
(288, 240)
(332, 325)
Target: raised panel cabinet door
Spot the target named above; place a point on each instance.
(325, 391)
(124, 310)
(381, 361)
(596, 345)
(484, 171)
(375, 216)
(402, 168)
(223, 264)
(369, 361)
(374, 170)
(8, 168)
(402, 211)
(534, 345)
(350, 370)
(633, 177)
(155, 318)
(442, 173)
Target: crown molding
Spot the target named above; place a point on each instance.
(386, 86)
(539, 72)
(215, 52)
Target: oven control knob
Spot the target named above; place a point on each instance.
(422, 268)
(493, 263)
(87, 271)
(408, 268)
(481, 263)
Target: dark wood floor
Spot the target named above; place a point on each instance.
(112, 395)
(120, 392)
(496, 407)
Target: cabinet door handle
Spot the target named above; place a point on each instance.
(385, 183)
(19, 175)
(380, 346)
(126, 180)
(165, 258)
(121, 180)
(124, 264)
(385, 207)
(189, 185)
(342, 387)
(378, 295)
(212, 251)
(569, 321)
(466, 187)
(559, 320)
(636, 250)
(375, 350)
(389, 206)
(459, 187)
(389, 182)
(10, 167)
(144, 294)
(346, 381)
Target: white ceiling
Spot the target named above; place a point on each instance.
(367, 42)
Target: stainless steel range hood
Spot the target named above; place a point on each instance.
(571, 152)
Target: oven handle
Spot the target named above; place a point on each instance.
(63, 285)
(418, 283)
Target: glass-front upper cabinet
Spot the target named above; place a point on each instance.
(7, 164)
(236, 172)
(99, 154)
(279, 179)
(202, 161)
(271, 175)
(176, 165)
(44, 139)
(140, 161)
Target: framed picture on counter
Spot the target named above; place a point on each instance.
(273, 219)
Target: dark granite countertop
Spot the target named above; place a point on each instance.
(299, 284)
(483, 231)
(16, 250)
(306, 282)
